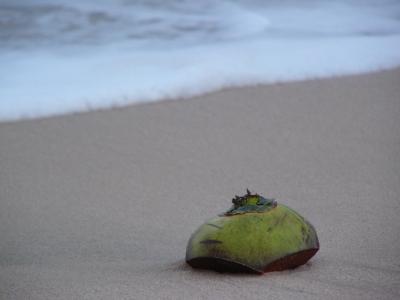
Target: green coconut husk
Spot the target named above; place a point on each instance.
(255, 235)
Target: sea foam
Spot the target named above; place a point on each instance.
(58, 57)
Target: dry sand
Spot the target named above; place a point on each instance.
(100, 205)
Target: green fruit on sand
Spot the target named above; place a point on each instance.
(256, 235)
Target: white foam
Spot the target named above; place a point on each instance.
(184, 49)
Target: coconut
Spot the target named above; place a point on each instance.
(255, 235)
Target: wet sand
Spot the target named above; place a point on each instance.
(100, 205)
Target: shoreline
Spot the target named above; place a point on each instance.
(193, 97)
(100, 205)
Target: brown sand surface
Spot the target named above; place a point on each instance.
(100, 205)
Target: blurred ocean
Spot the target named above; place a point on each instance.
(59, 56)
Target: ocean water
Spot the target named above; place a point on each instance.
(59, 56)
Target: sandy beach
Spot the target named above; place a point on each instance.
(100, 205)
